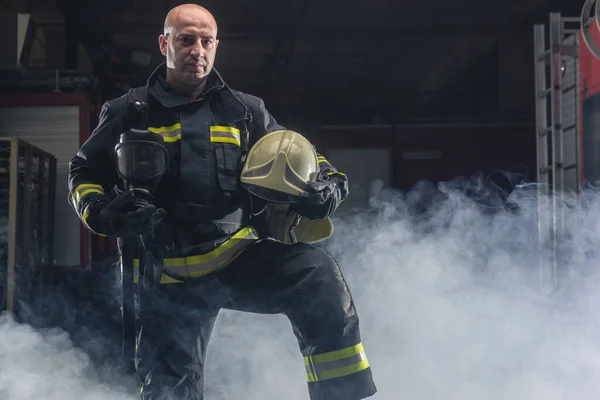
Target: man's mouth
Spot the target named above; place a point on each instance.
(196, 64)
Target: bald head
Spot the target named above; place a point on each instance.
(187, 15)
(189, 43)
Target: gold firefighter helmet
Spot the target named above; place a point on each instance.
(277, 169)
(279, 165)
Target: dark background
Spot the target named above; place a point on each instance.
(456, 77)
(321, 62)
(421, 77)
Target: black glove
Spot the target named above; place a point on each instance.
(121, 216)
(323, 197)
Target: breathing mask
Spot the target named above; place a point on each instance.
(142, 160)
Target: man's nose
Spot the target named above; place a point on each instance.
(197, 49)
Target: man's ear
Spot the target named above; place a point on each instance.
(162, 44)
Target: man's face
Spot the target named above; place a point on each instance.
(190, 47)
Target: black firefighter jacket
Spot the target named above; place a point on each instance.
(205, 160)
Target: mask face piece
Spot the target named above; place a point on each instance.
(142, 159)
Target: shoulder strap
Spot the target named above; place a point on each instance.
(246, 122)
(138, 104)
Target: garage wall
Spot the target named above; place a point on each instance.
(55, 129)
(363, 167)
(432, 152)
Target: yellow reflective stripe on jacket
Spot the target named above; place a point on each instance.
(84, 189)
(322, 159)
(79, 193)
(320, 367)
(200, 265)
(84, 218)
(169, 133)
(225, 134)
(336, 173)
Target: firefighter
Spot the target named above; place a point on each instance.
(218, 252)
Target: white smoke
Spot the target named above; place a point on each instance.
(454, 299)
(45, 365)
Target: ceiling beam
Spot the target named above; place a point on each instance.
(296, 20)
(378, 51)
(278, 38)
(476, 45)
(155, 6)
(85, 22)
(18, 6)
(388, 34)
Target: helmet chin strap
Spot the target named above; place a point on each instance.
(294, 224)
(254, 202)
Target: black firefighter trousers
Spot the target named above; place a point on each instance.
(301, 281)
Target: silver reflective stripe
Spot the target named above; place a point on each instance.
(84, 189)
(169, 133)
(335, 364)
(327, 366)
(225, 134)
(220, 259)
(200, 265)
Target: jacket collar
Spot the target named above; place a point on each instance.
(160, 90)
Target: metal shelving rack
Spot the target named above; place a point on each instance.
(27, 192)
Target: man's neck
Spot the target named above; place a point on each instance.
(192, 91)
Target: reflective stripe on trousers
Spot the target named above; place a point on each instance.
(201, 265)
(335, 364)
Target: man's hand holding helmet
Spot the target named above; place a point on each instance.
(280, 168)
(323, 196)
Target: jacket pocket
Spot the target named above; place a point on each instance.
(227, 145)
